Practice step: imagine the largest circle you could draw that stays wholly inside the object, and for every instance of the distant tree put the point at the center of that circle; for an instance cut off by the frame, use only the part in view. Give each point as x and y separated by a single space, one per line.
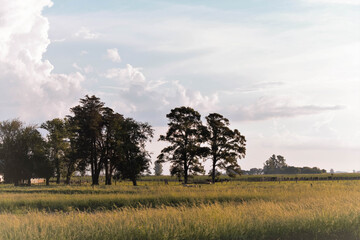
255 171
158 168
217 174
226 146
56 143
185 135
275 164
134 159
332 171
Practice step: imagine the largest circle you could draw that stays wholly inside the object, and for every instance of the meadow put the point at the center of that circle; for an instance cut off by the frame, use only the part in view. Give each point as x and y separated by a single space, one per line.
153 210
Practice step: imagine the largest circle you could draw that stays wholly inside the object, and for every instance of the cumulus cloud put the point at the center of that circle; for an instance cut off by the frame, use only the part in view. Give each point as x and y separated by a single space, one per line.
126 75
133 94
85 33
113 55
28 88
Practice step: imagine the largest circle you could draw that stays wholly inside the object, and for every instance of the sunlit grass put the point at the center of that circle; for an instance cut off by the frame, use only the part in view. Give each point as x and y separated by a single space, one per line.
286 210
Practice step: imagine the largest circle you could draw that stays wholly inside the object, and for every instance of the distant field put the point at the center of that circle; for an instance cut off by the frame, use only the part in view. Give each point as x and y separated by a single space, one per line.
267 177
153 210
246 178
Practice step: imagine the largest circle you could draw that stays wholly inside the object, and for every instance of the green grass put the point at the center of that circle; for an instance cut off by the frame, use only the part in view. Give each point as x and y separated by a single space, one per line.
234 210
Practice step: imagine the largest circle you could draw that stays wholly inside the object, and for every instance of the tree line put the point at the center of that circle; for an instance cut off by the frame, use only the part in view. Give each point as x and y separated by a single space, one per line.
95 139
276 164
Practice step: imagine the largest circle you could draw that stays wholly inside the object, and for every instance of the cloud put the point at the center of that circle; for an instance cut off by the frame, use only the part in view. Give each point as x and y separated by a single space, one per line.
85 33
131 93
113 55
28 88
274 107
126 75
87 69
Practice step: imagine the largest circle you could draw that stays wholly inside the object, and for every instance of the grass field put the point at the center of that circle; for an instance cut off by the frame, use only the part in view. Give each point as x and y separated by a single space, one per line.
233 210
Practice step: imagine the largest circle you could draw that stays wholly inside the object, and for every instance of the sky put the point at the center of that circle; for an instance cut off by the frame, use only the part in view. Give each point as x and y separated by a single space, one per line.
285 73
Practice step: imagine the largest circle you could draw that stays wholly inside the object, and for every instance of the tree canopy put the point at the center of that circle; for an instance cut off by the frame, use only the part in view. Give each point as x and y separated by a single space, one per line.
185 135
225 146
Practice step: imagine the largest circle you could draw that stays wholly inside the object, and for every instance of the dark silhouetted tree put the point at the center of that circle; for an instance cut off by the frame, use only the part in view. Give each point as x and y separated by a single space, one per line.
88 120
134 159
226 146
56 143
23 153
185 135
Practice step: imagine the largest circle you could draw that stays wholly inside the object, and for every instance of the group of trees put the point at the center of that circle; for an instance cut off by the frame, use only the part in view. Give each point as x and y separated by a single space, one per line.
190 142
276 164
23 152
94 138
98 140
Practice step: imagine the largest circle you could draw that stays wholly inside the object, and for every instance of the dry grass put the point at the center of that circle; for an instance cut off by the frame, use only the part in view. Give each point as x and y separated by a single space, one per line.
327 210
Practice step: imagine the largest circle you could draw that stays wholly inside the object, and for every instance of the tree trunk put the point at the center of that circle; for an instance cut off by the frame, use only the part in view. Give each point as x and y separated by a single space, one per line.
58 176
213 171
29 182
57 172
134 181
106 172
67 181
185 173
95 179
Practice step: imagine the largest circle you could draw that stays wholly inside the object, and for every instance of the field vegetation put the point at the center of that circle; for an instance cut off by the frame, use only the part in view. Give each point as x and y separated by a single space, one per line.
153 210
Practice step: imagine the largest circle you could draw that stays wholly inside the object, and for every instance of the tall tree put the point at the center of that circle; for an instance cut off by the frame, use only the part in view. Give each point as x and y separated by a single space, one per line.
88 119
134 159
185 135
226 146
111 142
57 144
72 160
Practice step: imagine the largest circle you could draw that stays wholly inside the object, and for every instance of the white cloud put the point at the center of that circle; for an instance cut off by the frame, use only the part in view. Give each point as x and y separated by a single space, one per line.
85 33
132 93
113 55
126 75
87 69
28 89
267 108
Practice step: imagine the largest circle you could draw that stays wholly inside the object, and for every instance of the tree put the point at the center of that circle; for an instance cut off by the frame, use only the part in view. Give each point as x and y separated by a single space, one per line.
134 159
72 160
255 171
88 131
158 168
57 144
185 135
23 153
113 127
275 164
226 146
